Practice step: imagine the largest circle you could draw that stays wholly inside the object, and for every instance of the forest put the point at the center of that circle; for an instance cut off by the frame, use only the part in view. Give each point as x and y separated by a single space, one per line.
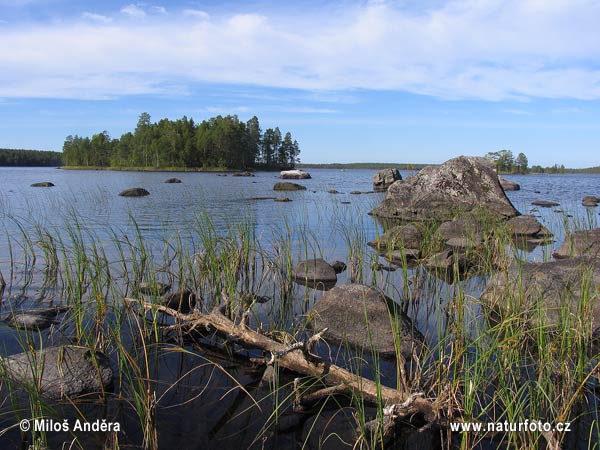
29 158
219 142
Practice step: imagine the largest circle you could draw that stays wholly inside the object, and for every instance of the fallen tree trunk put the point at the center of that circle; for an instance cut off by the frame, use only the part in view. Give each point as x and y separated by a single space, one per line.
298 358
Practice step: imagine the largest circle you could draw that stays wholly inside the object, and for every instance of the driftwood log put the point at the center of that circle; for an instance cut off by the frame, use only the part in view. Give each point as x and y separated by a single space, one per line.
298 358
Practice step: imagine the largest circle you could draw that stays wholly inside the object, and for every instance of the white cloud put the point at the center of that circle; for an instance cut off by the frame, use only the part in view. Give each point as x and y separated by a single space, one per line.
158 10
96 17
469 49
133 11
196 13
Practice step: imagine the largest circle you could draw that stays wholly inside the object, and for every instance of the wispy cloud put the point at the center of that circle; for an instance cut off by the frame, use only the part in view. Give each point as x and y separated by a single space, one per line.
96 17
518 112
467 49
133 11
158 9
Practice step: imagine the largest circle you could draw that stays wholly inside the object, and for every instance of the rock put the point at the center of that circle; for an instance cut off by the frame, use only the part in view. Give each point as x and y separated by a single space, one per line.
379 267
173 180
550 291
242 174
527 226
33 319
509 185
360 316
544 203
183 301
315 273
459 185
401 236
338 266
580 243
263 198
286 186
356 192
60 372
345 202
398 257
590 201
43 184
294 175
332 191
383 179
445 260
463 232
153 288
134 192
282 199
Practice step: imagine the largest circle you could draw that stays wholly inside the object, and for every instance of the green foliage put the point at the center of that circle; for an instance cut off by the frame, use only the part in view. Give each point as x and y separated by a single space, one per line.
30 158
506 163
217 142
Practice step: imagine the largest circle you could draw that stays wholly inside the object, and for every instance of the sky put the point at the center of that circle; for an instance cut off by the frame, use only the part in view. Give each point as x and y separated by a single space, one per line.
415 81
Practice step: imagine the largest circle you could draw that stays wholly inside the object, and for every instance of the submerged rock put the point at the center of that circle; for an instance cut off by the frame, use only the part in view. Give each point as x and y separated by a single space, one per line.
315 273
33 319
59 372
333 191
134 192
173 180
294 175
286 186
365 318
590 201
242 174
580 243
544 203
282 199
43 184
383 179
459 185
509 185
183 301
550 291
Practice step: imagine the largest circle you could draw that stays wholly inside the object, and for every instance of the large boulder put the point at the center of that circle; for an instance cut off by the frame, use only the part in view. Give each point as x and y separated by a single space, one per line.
59 372
508 185
459 185
315 273
294 175
365 318
580 243
134 192
546 293
286 186
383 179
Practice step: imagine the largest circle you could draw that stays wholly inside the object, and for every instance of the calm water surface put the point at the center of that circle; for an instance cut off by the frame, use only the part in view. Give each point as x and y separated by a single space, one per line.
216 420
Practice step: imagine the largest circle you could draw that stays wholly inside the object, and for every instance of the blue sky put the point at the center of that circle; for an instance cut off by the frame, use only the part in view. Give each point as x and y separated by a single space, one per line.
389 81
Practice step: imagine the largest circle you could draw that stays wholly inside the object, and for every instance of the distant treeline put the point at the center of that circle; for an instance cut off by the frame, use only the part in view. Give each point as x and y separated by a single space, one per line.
219 142
29 158
374 166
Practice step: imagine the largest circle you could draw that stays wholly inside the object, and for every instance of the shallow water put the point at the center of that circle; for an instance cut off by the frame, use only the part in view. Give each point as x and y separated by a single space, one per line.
199 414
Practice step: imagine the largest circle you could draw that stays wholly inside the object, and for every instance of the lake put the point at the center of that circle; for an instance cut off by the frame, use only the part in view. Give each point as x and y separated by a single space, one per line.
199 396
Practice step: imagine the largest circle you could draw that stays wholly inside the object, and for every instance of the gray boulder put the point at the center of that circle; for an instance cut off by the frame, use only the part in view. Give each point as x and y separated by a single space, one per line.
544 203
398 237
459 185
315 273
590 201
383 179
294 175
463 232
59 372
509 185
134 192
550 291
580 243
527 226
365 318
286 186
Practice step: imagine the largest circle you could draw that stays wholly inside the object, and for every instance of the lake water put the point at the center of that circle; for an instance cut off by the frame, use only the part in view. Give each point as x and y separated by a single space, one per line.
320 224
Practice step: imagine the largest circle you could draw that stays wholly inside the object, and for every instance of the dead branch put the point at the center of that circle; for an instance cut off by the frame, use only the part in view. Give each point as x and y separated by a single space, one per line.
297 358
